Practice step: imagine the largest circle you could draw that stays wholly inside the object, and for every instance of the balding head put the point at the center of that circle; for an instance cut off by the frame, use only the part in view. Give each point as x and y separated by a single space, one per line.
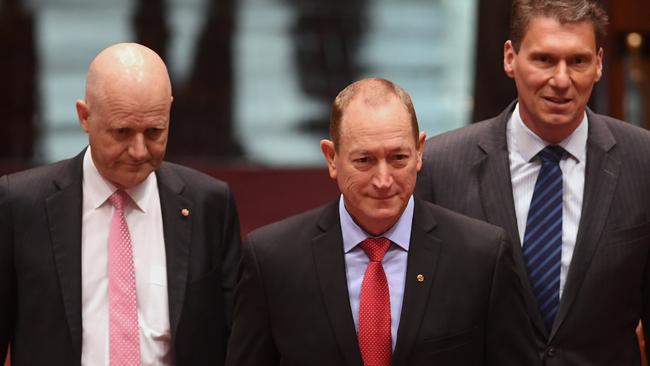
126 67
375 152
126 112
373 92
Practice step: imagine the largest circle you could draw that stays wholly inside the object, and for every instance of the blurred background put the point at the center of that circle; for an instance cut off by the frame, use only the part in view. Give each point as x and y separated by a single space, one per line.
253 79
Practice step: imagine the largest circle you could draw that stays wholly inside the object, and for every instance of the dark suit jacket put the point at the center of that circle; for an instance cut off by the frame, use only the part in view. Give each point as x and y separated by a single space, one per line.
40 263
607 289
292 305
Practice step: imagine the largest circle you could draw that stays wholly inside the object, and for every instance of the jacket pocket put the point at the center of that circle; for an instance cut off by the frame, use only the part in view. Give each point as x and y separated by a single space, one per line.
630 235
448 342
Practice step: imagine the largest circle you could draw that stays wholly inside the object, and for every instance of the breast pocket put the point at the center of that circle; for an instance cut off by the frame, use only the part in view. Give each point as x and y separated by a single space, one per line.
630 235
449 342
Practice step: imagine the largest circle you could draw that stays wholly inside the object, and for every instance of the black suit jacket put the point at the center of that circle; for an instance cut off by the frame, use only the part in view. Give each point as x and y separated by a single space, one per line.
40 263
607 289
292 305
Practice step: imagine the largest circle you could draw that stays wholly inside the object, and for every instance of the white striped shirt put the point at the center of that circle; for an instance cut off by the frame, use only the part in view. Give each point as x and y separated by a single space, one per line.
523 146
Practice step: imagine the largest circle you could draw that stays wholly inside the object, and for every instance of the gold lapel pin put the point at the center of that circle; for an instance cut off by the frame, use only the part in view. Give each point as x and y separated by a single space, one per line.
185 212
420 278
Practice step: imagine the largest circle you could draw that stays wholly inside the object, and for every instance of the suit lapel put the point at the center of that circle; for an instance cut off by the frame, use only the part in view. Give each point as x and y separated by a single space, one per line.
493 169
601 174
177 233
424 251
64 218
330 267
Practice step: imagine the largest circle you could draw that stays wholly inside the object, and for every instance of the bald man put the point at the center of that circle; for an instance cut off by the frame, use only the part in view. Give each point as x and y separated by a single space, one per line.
115 257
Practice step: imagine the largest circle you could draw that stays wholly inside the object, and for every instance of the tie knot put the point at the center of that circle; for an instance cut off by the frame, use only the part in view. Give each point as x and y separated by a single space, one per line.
118 199
375 248
551 154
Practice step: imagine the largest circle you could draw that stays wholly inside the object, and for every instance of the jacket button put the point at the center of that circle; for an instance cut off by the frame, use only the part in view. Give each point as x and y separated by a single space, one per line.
551 351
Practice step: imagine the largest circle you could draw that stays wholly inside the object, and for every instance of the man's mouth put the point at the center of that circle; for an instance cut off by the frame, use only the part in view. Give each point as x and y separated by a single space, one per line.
558 100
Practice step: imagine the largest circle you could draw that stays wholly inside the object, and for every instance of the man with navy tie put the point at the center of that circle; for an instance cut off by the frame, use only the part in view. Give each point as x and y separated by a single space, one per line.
571 187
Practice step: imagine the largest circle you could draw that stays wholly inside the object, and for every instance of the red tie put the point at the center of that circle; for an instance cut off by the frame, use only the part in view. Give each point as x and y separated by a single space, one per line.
374 307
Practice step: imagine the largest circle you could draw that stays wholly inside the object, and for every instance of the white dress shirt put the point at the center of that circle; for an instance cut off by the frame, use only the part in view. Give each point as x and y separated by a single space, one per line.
144 219
523 146
394 262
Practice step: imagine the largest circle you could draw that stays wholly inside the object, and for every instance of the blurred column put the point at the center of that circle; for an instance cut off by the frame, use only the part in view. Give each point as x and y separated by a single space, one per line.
627 61
493 89
202 109
326 36
150 27
18 81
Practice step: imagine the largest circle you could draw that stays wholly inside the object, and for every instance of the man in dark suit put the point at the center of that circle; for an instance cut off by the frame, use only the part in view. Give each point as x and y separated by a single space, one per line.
163 297
598 259
378 277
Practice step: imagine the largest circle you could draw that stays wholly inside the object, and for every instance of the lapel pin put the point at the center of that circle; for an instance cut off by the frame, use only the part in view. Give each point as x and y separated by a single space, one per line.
420 278
185 212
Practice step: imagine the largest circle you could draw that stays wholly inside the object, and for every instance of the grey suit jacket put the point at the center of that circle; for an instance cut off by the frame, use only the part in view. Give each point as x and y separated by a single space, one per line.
607 288
40 263
292 305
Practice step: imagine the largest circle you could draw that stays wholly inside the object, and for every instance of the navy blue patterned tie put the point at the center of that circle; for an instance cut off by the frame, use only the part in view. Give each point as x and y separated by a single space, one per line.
543 237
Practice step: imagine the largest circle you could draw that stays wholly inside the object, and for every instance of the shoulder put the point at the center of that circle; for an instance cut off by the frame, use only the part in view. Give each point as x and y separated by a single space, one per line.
296 230
42 180
296 225
195 181
459 139
621 130
459 222
464 231
190 176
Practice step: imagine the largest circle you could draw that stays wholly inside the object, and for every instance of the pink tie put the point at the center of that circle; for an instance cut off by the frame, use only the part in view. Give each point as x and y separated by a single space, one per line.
124 338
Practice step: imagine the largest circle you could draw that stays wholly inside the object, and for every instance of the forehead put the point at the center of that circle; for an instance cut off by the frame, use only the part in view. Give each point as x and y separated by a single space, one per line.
547 31
134 107
383 124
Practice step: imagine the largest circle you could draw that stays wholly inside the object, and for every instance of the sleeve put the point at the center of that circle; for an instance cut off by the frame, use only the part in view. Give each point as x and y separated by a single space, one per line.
423 186
251 342
231 254
509 332
7 273
643 331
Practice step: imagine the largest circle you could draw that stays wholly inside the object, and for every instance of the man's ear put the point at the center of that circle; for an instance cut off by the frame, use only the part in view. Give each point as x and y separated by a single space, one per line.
599 64
420 148
509 59
329 152
82 114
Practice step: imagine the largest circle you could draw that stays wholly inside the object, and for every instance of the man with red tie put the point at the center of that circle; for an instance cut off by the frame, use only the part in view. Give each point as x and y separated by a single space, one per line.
378 277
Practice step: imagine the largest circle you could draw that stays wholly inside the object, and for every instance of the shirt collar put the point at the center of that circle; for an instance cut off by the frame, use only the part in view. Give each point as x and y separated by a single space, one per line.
353 234
97 189
528 144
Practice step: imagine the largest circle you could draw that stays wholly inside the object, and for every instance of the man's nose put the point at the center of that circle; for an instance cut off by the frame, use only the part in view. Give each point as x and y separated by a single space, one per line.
138 148
561 76
383 177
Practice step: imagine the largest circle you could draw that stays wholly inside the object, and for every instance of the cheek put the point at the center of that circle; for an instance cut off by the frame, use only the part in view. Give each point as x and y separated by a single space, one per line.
112 155
352 183
157 152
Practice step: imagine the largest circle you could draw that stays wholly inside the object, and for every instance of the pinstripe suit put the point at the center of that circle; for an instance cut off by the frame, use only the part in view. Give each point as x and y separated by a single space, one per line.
607 289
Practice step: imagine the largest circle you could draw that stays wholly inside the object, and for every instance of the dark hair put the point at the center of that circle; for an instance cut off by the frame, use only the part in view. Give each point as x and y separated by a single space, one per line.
375 92
565 11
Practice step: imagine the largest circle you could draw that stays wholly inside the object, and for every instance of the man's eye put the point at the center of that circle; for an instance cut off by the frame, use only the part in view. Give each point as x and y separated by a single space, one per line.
153 131
579 61
362 160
